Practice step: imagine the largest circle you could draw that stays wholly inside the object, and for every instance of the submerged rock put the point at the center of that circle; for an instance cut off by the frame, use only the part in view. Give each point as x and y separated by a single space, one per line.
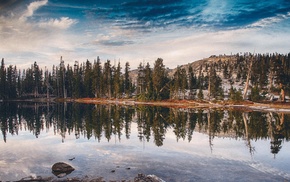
61 169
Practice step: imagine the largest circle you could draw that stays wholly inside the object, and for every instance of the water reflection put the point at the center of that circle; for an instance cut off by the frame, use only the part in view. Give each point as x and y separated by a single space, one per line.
112 121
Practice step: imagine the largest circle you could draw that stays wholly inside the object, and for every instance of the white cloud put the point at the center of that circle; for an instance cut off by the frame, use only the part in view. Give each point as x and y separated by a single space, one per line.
43 40
269 21
32 7
62 23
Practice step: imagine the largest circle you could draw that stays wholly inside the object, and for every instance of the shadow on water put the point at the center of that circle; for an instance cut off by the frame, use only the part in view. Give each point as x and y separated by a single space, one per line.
104 122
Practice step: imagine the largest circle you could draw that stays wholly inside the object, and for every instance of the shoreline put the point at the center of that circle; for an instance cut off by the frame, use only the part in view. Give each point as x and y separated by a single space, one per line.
190 104
198 104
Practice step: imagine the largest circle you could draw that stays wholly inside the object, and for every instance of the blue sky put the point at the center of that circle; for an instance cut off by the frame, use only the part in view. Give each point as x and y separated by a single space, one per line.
179 31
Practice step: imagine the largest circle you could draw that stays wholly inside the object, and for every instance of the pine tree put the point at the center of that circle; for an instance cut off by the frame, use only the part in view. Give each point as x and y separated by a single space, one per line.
235 95
77 81
160 80
141 82
117 81
177 82
107 79
37 77
127 81
215 85
11 83
148 82
69 81
98 79
2 80
28 82
192 82
183 80
60 74
88 82
200 93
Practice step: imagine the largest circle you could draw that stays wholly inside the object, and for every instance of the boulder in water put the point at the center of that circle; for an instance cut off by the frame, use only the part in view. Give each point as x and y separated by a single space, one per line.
61 169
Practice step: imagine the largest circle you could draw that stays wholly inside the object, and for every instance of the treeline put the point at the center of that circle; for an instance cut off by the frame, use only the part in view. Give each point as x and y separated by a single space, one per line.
77 81
249 77
267 73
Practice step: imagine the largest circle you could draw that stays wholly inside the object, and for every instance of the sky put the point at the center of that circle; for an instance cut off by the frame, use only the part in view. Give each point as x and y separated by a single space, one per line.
135 31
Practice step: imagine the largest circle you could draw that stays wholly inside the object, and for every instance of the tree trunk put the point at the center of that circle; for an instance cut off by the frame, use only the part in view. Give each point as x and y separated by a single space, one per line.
209 84
282 94
248 79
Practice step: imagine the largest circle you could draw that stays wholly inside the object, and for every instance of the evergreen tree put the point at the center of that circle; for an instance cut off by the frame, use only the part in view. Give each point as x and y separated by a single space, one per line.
192 82
37 79
77 81
200 93
148 82
141 81
107 79
28 82
69 81
215 85
117 81
60 74
177 82
255 94
98 79
183 80
11 82
235 95
127 81
88 79
2 80
160 80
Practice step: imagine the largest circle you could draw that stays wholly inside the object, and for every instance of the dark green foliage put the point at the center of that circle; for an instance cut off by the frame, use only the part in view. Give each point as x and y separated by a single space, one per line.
2 80
117 81
11 82
235 95
200 94
255 94
215 85
88 80
127 81
160 80
97 79
107 79
192 83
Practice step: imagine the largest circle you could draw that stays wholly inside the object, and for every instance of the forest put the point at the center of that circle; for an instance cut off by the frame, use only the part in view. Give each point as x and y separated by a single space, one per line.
236 77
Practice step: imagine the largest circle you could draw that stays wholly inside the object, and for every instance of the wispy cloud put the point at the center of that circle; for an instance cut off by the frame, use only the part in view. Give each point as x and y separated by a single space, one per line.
62 23
32 7
179 31
149 15
113 42
270 20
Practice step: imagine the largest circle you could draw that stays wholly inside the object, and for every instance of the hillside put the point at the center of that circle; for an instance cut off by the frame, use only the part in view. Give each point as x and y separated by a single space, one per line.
269 73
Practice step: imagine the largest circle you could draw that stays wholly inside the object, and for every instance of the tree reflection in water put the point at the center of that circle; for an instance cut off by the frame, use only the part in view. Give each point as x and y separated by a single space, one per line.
107 121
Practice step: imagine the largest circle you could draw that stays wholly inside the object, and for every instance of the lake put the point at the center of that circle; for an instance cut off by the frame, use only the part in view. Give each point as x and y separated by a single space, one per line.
119 142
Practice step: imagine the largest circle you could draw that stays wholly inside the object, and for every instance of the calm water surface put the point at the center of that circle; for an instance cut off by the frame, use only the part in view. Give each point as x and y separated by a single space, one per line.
173 144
